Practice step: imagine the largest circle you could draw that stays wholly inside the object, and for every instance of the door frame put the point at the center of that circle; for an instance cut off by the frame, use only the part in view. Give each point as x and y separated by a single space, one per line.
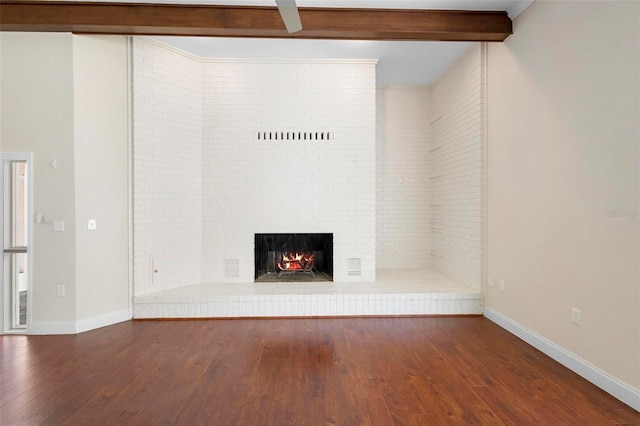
5 328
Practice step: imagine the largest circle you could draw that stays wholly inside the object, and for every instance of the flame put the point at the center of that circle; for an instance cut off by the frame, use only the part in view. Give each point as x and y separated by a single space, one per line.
296 261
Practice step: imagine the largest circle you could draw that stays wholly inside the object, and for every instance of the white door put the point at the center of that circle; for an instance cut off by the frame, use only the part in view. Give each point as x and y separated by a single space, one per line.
15 181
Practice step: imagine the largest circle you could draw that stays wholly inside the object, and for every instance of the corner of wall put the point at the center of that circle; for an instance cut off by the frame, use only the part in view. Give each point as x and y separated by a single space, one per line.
458 170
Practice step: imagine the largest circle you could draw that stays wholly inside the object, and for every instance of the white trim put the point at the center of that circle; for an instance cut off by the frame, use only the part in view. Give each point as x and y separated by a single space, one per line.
80 326
288 61
30 226
130 124
4 288
484 60
52 328
181 52
103 320
165 46
410 87
610 384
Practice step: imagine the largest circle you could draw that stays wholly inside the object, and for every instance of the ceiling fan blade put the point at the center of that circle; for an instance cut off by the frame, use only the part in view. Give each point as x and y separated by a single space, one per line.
289 12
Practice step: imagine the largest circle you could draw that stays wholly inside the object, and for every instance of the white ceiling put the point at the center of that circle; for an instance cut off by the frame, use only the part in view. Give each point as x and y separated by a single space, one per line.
400 62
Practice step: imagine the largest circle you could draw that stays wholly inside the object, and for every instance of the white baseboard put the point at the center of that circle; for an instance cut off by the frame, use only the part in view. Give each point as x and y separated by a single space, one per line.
591 373
82 325
52 328
104 320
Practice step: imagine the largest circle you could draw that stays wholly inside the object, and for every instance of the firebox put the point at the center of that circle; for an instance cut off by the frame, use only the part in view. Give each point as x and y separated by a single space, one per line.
293 257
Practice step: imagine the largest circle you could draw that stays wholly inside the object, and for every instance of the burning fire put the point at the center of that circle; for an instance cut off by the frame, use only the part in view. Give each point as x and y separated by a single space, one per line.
296 262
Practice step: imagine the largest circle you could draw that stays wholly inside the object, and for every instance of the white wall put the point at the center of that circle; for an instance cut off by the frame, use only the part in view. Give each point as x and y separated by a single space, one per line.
64 98
403 133
101 170
203 180
427 166
1 88
288 186
563 184
167 153
37 116
457 170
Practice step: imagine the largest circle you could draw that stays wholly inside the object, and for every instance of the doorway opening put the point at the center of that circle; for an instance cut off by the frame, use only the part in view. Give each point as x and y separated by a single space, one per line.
16 237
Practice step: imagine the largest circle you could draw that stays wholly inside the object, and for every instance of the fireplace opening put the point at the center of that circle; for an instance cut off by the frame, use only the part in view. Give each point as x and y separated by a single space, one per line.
293 257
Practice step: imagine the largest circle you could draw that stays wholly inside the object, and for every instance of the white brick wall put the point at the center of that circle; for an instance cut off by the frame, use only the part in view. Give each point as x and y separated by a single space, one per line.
167 167
457 170
274 186
204 184
309 305
403 237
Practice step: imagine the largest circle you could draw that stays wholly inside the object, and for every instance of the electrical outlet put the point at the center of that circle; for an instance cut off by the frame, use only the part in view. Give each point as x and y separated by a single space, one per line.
92 225
502 286
490 281
576 316
60 290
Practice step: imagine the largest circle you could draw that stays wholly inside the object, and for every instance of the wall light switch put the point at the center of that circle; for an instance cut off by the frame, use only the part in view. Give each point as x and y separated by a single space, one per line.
92 225
490 281
58 226
60 290
502 286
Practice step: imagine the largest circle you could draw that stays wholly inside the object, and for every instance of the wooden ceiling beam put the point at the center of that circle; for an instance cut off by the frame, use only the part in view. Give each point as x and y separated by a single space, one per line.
250 21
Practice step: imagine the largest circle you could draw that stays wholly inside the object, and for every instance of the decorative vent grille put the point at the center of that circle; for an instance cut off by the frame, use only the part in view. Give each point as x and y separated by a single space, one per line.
294 136
354 267
231 268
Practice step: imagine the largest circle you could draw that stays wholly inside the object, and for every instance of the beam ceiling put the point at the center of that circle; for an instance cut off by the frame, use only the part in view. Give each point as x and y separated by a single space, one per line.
252 21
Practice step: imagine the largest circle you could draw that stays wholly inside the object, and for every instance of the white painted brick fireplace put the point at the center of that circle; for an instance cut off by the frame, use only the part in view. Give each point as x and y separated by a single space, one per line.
253 185
213 166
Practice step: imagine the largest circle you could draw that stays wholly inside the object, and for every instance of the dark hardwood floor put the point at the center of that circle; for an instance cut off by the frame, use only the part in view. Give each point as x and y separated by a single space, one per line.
345 371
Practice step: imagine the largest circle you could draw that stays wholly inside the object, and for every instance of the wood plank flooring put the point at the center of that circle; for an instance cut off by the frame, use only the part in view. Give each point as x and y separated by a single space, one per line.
342 371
